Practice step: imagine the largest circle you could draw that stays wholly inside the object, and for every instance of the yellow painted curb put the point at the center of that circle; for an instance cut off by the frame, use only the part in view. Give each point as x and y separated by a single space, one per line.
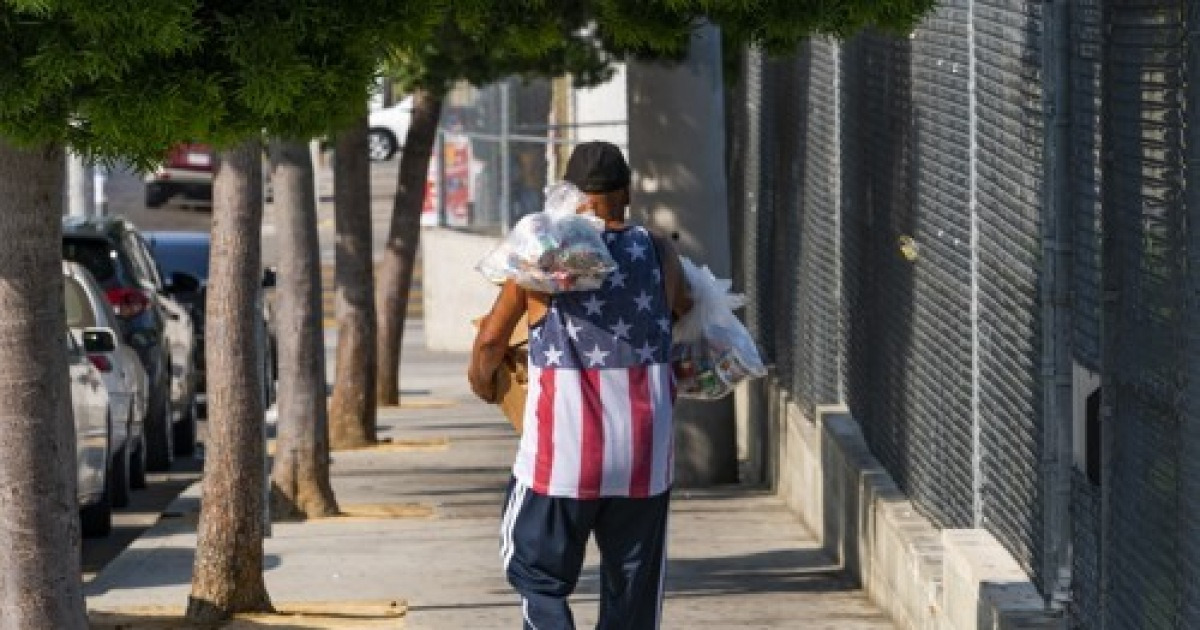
307 615
390 445
384 511
370 512
426 403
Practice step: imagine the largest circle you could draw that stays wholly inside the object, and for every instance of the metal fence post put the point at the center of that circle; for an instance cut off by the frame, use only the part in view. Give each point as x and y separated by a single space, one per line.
439 145
1190 431
973 208
505 156
1056 306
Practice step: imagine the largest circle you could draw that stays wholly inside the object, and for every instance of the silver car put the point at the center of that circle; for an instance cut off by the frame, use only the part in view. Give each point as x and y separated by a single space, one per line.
94 326
89 406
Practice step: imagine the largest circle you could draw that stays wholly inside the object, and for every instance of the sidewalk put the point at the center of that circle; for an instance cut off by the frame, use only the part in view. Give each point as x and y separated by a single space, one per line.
738 559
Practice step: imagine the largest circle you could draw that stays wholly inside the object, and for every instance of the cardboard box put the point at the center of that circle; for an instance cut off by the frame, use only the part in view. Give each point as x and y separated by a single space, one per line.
512 378
512 386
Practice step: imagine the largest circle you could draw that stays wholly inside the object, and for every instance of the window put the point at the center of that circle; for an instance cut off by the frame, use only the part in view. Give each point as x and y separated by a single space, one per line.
95 255
79 307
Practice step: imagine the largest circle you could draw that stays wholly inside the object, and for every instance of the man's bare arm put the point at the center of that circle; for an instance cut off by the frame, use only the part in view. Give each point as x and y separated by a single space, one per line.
679 295
491 342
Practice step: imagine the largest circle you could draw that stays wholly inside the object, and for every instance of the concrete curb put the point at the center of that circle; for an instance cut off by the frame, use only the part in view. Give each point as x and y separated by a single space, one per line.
923 577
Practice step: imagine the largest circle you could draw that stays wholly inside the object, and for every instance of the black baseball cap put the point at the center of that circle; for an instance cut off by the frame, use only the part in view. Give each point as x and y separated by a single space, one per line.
598 167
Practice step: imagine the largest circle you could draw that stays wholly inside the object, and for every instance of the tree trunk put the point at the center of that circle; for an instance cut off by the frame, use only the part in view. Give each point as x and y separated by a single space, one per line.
39 522
300 472
404 236
227 577
352 407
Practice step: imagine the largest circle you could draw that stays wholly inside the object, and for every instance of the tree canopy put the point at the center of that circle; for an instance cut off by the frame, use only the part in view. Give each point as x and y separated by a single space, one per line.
481 42
129 78
484 42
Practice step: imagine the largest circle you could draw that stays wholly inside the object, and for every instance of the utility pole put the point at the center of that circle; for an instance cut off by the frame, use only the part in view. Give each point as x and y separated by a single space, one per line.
677 153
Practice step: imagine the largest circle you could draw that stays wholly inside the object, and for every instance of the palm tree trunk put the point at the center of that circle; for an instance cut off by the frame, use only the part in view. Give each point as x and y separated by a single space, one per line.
404 237
300 473
352 407
227 577
39 524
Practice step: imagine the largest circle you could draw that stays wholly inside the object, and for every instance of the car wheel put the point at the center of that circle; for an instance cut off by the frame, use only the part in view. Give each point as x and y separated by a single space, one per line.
118 477
159 450
381 145
156 196
137 466
95 521
185 433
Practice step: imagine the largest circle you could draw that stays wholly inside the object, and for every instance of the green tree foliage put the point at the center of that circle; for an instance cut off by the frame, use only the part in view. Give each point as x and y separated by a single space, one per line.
127 79
483 42
662 26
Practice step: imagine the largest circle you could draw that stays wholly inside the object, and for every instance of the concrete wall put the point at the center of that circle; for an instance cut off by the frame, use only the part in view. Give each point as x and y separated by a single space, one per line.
454 292
596 107
923 577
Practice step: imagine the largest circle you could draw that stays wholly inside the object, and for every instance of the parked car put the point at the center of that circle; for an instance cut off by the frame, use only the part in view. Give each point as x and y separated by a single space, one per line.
388 128
183 258
89 407
155 326
186 171
94 326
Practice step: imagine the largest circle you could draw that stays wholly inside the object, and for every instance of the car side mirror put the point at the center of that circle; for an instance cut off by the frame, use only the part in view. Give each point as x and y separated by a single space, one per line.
99 340
181 282
269 277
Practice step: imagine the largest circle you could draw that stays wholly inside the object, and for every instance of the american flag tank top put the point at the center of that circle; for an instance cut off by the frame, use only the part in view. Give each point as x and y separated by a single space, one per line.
598 417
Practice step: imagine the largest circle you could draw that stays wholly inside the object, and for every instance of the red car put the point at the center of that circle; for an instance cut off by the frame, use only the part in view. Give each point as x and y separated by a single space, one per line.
187 172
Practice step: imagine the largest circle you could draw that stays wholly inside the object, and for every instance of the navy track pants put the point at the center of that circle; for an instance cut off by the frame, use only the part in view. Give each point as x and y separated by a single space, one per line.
542 544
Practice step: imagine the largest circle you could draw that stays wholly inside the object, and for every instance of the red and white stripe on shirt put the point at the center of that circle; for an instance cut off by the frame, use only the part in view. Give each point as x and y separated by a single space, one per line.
591 433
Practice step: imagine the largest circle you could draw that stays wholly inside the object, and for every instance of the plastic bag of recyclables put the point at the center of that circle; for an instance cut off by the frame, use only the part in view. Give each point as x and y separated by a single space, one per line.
553 251
711 349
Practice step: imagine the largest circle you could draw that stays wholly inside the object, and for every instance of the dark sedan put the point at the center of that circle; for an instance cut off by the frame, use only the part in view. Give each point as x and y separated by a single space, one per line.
183 258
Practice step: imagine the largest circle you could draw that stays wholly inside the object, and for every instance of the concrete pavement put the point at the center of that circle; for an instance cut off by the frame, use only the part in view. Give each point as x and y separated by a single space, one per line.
738 559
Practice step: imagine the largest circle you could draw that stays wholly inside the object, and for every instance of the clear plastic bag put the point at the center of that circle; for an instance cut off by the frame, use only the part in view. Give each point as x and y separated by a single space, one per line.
553 251
711 350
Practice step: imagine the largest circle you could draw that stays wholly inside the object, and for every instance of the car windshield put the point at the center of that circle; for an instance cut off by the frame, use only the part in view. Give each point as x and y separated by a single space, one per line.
96 255
190 257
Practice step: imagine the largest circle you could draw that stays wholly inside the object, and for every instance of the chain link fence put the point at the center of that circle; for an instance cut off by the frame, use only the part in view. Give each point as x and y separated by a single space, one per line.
499 147
980 237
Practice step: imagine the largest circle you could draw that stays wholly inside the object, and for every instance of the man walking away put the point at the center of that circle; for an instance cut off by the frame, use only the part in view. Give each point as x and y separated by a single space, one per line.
596 453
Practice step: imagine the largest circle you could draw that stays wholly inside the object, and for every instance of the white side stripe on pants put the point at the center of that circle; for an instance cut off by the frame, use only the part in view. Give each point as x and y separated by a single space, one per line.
509 523
505 521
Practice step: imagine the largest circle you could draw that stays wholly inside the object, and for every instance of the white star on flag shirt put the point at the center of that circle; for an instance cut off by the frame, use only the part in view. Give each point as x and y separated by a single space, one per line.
618 278
593 305
646 352
596 357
